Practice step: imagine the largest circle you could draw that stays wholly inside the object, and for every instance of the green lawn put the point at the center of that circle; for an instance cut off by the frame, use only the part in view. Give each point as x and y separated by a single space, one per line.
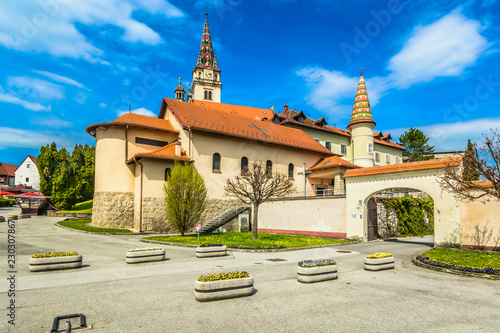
245 239
465 258
82 207
80 225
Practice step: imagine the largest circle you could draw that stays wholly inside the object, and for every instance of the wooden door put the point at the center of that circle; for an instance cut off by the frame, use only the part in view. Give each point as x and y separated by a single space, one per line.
372 220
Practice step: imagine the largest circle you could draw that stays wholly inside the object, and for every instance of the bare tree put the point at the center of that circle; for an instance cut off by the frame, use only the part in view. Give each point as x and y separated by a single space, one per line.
483 159
256 185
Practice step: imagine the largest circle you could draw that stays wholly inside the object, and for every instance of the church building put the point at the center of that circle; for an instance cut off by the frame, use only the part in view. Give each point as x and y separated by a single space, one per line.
135 153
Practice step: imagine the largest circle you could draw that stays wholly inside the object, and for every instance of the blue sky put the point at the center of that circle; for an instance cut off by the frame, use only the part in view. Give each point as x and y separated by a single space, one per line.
428 64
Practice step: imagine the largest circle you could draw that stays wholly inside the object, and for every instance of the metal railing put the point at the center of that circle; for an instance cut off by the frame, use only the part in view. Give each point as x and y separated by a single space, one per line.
330 192
222 212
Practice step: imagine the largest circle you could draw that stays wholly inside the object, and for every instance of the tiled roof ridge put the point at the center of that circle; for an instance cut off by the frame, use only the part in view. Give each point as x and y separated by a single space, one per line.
437 163
336 161
130 119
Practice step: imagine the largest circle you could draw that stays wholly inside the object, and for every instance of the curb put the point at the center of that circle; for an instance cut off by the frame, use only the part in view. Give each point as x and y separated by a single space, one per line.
97 233
251 250
453 271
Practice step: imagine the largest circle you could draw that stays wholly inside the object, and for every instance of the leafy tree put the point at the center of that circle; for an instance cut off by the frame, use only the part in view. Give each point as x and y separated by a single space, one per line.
485 160
470 172
256 185
185 197
47 163
415 142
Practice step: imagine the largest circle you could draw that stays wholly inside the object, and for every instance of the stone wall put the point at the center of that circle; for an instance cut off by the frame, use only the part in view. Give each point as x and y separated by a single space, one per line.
387 224
154 216
113 210
54 213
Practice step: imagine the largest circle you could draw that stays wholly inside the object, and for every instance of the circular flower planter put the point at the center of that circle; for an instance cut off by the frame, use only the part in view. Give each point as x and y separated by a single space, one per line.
379 264
223 289
134 257
24 216
211 251
316 274
12 217
55 263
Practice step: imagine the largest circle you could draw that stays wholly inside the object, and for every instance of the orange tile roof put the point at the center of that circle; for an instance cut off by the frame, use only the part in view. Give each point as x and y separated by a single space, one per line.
33 158
405 167
243 111
164 153
132 119
308 122
483 183
390 144
333 161
209 120
8 169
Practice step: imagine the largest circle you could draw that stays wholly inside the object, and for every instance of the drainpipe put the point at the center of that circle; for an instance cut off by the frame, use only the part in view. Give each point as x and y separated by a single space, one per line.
189 136
140 195
305 179
126 143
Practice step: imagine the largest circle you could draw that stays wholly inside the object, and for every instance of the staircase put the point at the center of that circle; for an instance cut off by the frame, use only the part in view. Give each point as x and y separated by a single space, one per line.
225 215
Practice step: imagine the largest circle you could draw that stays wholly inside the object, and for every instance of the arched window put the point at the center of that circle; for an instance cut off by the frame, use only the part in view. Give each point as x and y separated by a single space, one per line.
167 173
290 170
269 168
244 164
216 163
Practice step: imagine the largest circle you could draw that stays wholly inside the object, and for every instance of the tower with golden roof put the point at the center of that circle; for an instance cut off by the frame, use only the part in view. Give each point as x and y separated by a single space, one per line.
206 75
361 127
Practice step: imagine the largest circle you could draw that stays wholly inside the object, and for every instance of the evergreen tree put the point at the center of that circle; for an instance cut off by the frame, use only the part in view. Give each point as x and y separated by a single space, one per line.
185 197
470 172
47 163
415 142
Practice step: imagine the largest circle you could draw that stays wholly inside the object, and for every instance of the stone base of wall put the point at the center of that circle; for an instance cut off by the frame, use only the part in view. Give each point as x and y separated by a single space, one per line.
113 210
154 216
54 213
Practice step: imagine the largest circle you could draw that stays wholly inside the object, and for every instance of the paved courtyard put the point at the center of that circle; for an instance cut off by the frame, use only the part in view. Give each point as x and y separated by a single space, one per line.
158 297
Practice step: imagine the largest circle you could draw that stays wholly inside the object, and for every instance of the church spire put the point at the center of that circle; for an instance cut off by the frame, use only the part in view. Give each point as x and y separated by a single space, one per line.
206 57
361 112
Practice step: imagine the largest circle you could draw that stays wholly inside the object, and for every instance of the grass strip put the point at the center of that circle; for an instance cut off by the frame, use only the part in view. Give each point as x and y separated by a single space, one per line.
81 225
245 239
82 207
465 258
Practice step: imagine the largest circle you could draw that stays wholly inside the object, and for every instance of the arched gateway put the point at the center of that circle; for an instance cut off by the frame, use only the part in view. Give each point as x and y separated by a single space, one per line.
363 183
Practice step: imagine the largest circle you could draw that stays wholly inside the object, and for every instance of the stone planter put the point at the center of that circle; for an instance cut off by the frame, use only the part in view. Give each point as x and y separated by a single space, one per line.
55 263
316 274
222 289
145 256
12 217
211 251
2 219
24 216
379 264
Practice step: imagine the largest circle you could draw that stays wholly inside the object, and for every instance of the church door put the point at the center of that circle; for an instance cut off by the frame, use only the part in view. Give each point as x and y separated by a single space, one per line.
372 220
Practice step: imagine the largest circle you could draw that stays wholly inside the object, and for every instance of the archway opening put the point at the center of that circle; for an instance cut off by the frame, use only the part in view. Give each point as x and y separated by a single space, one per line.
399 212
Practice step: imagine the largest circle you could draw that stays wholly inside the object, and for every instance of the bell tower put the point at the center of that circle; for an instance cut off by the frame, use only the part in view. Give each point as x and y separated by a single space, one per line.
206 75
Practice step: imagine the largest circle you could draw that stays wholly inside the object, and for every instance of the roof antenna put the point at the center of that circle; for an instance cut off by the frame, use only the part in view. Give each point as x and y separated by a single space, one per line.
129 108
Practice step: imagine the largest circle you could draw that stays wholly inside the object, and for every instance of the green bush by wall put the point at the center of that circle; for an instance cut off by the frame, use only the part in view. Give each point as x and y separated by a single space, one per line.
7 202
412 213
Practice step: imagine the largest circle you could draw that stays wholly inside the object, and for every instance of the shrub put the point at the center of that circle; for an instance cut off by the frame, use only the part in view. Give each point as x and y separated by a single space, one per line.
54 254
146 249
379 255
317 263
411 213
223 276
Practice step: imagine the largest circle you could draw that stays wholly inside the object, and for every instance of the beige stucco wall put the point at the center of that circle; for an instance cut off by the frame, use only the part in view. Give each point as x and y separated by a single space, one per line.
134 148
335 139
384 151
361 136
446 207
481 224
324 215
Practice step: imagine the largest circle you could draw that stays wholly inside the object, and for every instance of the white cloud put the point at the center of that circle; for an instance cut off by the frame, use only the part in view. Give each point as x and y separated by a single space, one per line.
453 136
329 89
50 26
20 138
25 104
443 48
103 105
51 122
142 111
35 88
62 79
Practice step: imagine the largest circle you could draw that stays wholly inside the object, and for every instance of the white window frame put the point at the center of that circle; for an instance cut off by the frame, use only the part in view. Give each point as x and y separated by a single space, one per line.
369 148
328 143
377 157
343 149
388 159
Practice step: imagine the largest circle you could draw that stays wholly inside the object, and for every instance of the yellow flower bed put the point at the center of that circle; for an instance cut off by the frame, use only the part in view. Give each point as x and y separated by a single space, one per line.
54 254
379 255
223 276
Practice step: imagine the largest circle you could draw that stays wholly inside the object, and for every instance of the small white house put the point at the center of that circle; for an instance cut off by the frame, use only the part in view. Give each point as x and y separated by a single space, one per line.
27 173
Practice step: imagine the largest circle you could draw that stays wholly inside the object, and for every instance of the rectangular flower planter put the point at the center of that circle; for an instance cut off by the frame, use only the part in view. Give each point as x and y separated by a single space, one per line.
55 263
2 219
223 289
24 216
379 264
145 256
211 251
12 217
316 274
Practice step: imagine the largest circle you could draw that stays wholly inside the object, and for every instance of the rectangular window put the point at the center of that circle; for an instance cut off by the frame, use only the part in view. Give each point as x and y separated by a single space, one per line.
328 145
11 181
388 159
317 140
343 149
27 180
150 142
370 148
398 160
27 166
377 157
